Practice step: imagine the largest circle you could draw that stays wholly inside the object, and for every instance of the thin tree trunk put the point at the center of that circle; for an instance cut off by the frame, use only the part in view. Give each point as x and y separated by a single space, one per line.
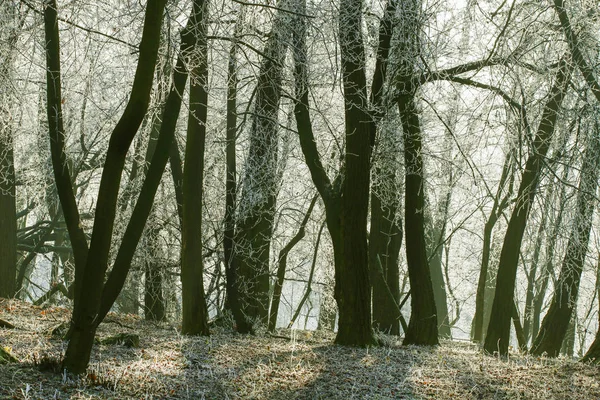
497 209
8 209
282 267
308 290
91 274
61 169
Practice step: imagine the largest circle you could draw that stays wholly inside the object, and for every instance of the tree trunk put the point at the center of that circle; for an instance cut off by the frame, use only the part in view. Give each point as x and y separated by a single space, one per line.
385 236
231 271
498 334
422 326
500 203
533 274
154 301
385 241
256 209
8 209
61 169
282 267
435 250
548 267
194 308
352 286
91 277
555 324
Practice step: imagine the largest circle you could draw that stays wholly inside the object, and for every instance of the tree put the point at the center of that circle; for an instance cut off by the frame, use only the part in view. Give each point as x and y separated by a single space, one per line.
233 300
10 24
195 312
385 235
423 326
498 332
95 306
500 203
556 322
256 210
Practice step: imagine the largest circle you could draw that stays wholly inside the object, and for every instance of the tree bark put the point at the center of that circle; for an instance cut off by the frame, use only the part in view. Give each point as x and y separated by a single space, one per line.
256 209
556 322
61 169
91 276
422 326
282 267
385 235
498 333
231 269
194 308
352 286
500 203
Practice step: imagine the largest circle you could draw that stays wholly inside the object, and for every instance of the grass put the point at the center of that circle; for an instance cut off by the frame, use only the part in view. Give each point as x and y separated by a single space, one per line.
307 365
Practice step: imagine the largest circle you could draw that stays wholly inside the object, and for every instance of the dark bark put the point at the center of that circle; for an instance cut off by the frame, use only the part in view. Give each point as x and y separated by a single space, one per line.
500 204
8 209
385 236
555 324
435 238
231 271
308 290
385 241
498 333
257 203
352 286
422 327
160 157
282 265
547 272
154 301
61 169
194 308
91 276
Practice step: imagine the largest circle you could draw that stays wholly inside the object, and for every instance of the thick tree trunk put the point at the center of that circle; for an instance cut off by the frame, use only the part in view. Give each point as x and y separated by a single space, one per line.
385 241
385 236
498 333
8 209
256 209
194 308
556 322
423 326
233 300
352 287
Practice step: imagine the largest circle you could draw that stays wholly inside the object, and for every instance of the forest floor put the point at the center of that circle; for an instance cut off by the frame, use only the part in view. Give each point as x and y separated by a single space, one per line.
293 365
